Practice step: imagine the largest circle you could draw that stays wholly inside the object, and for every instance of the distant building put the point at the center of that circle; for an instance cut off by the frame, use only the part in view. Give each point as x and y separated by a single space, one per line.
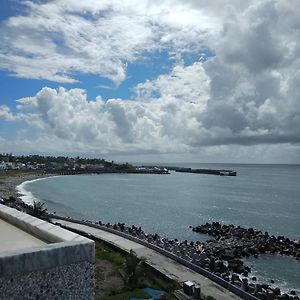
2 165
20 166
10 166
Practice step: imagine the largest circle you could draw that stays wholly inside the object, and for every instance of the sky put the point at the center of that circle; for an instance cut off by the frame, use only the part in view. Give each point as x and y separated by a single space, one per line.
151 81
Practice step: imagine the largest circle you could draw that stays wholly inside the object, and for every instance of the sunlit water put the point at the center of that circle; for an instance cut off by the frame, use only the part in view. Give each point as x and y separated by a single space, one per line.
265 197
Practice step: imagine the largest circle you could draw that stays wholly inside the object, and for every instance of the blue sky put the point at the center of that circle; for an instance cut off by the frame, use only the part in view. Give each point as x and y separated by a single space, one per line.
149 68
167 81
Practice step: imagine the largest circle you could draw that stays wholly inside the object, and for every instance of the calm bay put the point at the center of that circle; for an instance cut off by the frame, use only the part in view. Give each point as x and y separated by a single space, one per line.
265 197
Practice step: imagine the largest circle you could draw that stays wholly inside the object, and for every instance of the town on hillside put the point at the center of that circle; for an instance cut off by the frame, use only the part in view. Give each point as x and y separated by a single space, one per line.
70 165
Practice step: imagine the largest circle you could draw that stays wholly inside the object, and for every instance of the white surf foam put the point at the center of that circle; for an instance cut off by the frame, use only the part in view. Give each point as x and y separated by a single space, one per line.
25 195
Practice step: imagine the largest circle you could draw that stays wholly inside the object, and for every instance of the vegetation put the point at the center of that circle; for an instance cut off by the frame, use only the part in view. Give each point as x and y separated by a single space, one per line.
105 253
37 210
138 293
133 270
11 199
133 273
46 162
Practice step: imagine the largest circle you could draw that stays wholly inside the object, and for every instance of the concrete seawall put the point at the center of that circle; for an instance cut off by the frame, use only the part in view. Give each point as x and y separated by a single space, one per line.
210 276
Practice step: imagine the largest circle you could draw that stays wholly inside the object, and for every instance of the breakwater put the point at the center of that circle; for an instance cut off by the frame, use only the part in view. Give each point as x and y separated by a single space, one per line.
237 242
205 171
223 255
193 255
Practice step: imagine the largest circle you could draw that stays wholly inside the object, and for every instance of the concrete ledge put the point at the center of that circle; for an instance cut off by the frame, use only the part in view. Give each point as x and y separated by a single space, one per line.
47 232
41 258
62 246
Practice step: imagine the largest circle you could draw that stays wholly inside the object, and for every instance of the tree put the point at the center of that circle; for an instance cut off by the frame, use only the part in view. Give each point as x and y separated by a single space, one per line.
132 269
12 199
38 210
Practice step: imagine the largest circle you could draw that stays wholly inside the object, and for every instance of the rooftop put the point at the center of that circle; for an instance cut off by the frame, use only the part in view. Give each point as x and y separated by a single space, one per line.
14 238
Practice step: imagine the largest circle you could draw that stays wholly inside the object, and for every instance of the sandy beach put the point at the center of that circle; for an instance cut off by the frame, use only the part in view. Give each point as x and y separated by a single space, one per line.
9 180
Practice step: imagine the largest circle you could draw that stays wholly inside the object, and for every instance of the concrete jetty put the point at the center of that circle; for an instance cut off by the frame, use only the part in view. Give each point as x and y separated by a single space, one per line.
220 172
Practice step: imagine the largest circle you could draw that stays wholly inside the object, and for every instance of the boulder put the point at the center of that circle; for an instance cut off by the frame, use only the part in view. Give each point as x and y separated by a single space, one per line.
245 285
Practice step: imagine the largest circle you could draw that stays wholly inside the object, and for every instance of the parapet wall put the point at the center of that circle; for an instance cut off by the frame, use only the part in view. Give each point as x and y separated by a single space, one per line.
74 281
63 268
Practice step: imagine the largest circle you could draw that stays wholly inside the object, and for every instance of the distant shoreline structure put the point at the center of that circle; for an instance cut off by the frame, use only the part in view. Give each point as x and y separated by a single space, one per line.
28 198
205 171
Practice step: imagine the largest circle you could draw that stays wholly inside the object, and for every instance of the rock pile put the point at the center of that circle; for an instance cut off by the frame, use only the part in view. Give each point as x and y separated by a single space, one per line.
237 242
223 255
231 244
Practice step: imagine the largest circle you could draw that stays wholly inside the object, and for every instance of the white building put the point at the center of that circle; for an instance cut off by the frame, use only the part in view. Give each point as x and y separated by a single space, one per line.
2 165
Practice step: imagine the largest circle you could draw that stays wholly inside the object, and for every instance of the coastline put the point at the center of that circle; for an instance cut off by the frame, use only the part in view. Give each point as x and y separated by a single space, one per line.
184 253
11 183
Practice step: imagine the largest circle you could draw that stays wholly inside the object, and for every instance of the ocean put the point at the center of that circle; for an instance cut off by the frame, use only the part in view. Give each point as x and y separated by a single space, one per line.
265 197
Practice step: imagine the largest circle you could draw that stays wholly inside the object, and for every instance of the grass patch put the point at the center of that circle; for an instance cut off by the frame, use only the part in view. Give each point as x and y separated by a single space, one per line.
170 297
138 293
105 253
157 282
142 276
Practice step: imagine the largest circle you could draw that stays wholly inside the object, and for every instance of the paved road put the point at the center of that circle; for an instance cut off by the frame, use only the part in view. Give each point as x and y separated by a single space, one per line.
163 264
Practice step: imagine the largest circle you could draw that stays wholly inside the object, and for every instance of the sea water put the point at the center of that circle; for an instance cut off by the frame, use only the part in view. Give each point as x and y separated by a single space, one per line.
265 197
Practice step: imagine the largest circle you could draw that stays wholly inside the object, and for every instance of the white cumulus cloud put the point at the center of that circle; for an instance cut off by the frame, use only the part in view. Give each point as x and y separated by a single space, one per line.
58 39
242 102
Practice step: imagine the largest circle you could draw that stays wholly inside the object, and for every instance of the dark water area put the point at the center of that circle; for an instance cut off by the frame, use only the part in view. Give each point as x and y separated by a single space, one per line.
283 270
265 197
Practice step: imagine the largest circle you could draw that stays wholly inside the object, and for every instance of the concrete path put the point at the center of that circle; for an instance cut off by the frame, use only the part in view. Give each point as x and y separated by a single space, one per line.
158 261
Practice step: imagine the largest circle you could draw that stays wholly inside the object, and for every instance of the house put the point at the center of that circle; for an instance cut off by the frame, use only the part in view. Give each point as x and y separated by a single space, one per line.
2 165
10 166
20 166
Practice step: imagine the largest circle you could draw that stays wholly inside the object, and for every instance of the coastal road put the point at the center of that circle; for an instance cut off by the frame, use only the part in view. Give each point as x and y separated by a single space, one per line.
163 264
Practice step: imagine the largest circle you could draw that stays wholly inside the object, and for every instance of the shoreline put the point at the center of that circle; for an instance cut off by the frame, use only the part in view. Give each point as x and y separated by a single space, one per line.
26 196
10 183
185 253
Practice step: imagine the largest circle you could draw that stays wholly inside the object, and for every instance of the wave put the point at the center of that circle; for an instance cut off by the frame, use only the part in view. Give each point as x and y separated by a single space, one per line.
25 195
284 284
266 269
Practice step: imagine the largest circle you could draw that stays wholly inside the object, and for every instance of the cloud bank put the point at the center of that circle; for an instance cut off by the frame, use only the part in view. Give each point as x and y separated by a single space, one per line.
246 95
57 39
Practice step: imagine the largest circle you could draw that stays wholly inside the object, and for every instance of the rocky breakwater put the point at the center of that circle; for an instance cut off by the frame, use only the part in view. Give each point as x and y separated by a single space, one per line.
223 255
